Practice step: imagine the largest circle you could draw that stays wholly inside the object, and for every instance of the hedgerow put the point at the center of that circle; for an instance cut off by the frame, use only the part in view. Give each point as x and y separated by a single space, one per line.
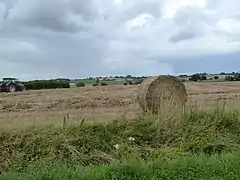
45 84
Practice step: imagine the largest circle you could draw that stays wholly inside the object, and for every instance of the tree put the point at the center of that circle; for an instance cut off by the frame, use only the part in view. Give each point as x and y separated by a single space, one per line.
237 77
198 77
97 81
130 82
203 77
216 77
183 75
229 78
62 79
195 77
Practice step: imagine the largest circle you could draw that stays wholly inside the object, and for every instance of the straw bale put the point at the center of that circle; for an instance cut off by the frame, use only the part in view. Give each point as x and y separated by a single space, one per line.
162 93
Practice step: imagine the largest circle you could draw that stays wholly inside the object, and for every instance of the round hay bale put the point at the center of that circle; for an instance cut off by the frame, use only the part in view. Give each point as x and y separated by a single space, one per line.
162 93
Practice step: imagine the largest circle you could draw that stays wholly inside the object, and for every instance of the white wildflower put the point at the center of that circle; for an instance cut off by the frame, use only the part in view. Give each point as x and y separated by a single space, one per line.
117 146
131 139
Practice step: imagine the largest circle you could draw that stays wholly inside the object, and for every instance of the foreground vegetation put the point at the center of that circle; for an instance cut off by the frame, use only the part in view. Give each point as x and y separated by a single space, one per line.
224 166
199 145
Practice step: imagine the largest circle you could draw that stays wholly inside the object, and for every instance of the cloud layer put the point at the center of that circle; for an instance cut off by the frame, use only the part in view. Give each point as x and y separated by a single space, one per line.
72 38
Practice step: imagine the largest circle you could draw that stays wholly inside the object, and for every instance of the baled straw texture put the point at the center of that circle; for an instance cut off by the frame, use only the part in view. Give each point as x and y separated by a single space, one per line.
162 93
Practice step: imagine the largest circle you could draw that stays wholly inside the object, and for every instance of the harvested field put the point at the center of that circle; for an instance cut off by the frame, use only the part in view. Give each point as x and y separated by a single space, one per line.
33 108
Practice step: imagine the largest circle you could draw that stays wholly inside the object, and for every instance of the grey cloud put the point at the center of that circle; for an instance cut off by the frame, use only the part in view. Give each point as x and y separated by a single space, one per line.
181 36
3 12
193 16
150 7
192 21
237 16
7 4
58 54
216 63
57 15
117 16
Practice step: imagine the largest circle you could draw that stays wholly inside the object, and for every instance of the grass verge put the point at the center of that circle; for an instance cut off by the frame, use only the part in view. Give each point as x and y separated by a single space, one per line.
105 148
225 166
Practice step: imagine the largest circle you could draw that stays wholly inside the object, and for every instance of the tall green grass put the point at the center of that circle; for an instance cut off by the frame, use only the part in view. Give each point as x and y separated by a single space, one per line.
98 147
225 166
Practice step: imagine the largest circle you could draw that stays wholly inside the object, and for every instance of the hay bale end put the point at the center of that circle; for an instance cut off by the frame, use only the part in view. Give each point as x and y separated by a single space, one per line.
162 93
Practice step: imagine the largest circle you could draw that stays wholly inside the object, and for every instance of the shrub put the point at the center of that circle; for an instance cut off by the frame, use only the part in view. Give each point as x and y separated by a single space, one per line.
80 84
203 77
237 77
97 81
103 84
130 82
125 84
195 77
45 84
198 77
95 84
229 78
139 81
216 77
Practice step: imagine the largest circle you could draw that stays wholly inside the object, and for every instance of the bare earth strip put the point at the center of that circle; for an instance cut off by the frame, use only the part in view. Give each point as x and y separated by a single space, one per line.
34 108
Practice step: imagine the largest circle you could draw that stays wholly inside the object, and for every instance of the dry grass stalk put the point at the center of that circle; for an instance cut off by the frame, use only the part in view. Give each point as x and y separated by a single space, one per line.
162 94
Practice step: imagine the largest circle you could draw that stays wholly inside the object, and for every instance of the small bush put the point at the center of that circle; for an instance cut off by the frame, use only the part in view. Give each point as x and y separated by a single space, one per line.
237 77
130 82
45 84
216 77
198 77
139 81
229 78
103 84
95 84
97 81
125 84
80 84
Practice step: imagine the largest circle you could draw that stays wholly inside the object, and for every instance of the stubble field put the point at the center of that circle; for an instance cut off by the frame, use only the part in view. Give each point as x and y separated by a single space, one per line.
48 107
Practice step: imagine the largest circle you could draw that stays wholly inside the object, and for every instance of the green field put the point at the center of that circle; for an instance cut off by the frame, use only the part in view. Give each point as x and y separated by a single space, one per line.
202 144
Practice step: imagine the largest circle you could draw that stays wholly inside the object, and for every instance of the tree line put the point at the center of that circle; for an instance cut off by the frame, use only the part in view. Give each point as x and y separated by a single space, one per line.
202 77
45 84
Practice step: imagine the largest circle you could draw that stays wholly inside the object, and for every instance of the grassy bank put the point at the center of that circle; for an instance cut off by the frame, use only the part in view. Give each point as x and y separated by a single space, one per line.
225 166
106 150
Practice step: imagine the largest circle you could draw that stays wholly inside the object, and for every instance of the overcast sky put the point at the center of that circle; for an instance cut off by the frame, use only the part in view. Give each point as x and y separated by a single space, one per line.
80 38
